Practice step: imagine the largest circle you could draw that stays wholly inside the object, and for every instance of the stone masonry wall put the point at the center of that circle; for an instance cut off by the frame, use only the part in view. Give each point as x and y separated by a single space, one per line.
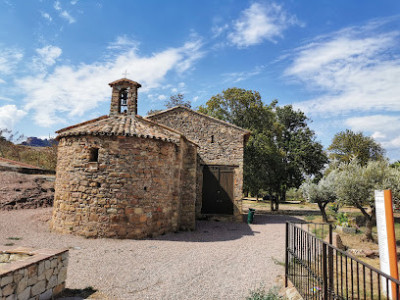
131 192
187 188
41 274
219 144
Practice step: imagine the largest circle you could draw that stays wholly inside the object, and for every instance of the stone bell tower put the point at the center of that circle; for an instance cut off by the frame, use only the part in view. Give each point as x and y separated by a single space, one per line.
124 97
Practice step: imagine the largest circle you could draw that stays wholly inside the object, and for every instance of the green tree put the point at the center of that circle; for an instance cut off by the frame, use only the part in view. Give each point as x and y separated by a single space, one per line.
396 164
281 150
174 100
355 185
177 100
347 145
321 193
241 107
302 154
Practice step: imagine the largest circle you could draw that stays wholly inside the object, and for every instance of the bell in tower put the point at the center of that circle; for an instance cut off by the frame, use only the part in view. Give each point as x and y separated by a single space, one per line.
124 97
123 101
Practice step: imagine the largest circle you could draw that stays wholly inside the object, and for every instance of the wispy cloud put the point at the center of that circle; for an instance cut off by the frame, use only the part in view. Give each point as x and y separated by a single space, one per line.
355 69
47 56
57 96
46 16
57 5
64 13
123 43
240 76
260 22
9 59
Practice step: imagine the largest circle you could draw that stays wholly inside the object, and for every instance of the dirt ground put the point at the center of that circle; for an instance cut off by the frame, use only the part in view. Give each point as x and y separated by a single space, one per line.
217 261
20 191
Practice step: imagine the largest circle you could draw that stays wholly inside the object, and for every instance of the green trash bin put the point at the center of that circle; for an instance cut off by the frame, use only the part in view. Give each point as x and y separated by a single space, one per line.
250 216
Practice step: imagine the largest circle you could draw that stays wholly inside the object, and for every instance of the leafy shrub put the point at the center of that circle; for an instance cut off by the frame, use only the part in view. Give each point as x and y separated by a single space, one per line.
261 294
342 219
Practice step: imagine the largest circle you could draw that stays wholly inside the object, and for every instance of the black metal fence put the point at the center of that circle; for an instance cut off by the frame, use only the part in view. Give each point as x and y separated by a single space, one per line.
319 270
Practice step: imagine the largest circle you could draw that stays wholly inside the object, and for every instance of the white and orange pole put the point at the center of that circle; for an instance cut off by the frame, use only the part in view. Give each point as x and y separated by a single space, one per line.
386 237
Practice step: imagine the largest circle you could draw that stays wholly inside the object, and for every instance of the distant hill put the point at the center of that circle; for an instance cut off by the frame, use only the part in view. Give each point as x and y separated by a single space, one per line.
38 142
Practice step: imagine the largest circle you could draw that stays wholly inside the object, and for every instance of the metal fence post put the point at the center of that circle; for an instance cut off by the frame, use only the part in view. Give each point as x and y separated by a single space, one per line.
286 254
324 271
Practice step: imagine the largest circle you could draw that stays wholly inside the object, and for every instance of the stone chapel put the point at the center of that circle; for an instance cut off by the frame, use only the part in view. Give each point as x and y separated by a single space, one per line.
125 176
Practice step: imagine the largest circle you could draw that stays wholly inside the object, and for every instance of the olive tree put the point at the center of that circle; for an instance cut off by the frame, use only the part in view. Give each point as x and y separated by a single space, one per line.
321 193
355 185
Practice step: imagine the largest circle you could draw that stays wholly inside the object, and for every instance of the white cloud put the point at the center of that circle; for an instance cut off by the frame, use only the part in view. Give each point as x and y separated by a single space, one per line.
46 16
123 43
161 97
6 99
47 55
63 13
70 91
9 59
258 23
73 2
57 5
355 69
383 128
9 116
219 30
67 17
235 77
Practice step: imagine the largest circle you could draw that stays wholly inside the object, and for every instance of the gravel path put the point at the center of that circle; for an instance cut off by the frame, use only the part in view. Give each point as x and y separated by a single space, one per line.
217 261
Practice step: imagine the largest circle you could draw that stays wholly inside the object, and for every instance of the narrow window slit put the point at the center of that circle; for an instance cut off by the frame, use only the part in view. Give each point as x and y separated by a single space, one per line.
94 155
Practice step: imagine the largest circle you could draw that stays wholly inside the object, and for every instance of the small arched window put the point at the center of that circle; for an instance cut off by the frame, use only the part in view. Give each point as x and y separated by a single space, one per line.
123 101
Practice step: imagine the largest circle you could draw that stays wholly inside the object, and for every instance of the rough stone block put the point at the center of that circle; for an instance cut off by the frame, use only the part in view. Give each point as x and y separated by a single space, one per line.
52 282
48 273
25 294
9 289
38 288
32 270
47 265
46 295
12 297
59 288
6 280
22 284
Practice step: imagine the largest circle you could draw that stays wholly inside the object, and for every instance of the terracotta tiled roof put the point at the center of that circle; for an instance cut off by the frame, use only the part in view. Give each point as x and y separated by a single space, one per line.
122 125
124 80
170 110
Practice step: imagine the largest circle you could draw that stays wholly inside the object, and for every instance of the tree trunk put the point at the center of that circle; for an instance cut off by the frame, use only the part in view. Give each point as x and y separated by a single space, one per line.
370 222
321 207
277 203
368 231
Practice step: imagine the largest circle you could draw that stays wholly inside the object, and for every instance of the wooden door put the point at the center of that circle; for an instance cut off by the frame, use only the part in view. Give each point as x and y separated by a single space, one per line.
217 190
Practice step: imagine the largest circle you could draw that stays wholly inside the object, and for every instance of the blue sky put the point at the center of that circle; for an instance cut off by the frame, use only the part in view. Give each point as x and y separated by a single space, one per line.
339 61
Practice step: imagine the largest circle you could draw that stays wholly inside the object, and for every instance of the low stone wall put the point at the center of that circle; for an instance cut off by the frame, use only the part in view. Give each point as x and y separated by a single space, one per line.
26 273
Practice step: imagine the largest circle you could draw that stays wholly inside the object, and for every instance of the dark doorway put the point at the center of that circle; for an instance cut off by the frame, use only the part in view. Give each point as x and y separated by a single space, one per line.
217 190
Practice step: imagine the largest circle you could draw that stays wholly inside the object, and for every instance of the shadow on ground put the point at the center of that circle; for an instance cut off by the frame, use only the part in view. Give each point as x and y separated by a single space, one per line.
275 219
213 231
78 294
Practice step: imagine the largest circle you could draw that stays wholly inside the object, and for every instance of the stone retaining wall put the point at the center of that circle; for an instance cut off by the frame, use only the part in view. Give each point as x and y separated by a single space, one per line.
26 273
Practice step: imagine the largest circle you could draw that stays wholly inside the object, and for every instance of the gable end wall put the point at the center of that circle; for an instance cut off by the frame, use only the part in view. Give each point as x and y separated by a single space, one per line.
226 149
